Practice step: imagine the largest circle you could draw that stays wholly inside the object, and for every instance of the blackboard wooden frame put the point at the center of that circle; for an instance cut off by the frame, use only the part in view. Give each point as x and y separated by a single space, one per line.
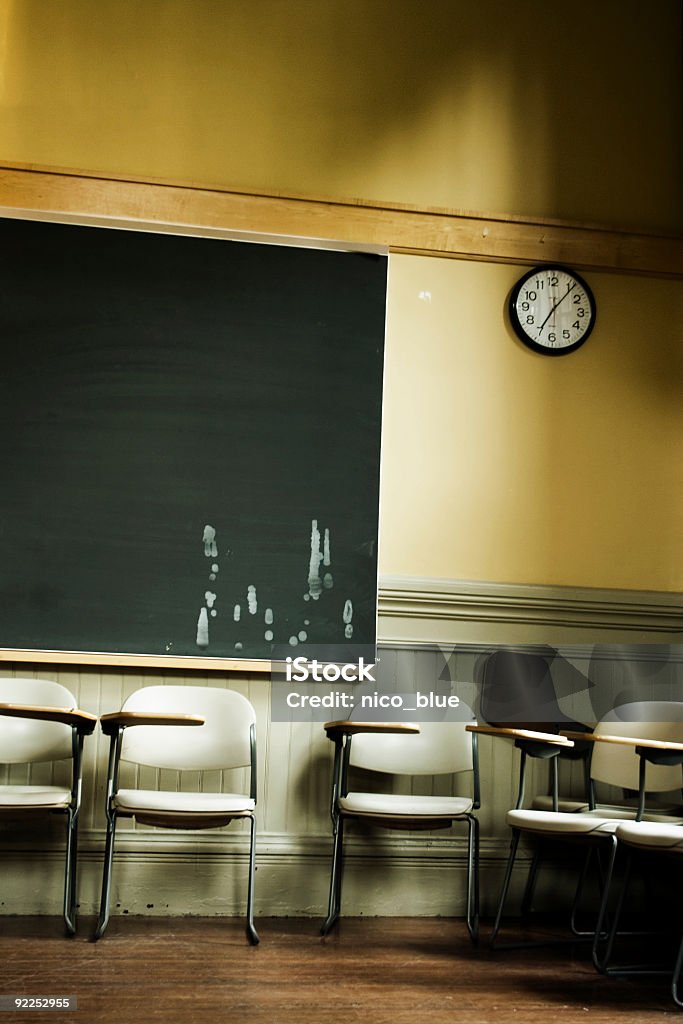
418 230
71 653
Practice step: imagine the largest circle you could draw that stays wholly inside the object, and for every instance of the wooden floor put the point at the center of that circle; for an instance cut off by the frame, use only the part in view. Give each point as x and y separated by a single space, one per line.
374 970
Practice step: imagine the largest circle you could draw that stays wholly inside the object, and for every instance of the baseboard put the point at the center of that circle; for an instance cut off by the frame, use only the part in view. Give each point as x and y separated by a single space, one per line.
165 874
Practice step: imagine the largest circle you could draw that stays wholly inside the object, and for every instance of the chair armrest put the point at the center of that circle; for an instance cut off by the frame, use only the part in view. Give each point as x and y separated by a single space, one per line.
523 734
663 752
115 720
632 741
82 721
666 752
336 730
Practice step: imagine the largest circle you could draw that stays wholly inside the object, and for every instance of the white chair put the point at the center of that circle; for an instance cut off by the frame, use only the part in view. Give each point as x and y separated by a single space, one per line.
151 729
40 722
432 748
629 752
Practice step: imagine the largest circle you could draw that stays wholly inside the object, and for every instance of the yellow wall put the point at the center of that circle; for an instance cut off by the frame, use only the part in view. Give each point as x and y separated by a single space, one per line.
501 464
498 464
483 106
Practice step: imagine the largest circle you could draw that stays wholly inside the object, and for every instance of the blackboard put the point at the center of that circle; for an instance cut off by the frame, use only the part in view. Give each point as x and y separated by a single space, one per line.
189 442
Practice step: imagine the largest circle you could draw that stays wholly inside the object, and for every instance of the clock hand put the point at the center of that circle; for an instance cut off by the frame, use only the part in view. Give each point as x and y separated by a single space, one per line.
570 289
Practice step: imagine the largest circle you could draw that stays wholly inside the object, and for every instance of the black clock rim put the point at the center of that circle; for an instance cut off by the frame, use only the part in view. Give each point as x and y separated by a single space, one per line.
519 330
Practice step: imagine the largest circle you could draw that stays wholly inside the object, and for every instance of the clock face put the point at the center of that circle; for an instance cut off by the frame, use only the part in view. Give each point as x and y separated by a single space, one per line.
552 310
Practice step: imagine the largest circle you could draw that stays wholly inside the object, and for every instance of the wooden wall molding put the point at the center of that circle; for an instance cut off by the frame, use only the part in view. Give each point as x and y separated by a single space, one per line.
81 195
442 610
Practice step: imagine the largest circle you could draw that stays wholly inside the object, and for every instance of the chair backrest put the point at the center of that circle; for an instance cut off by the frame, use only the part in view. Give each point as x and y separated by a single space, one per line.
439 747
618 765
518 688
24 740
514 686
224 741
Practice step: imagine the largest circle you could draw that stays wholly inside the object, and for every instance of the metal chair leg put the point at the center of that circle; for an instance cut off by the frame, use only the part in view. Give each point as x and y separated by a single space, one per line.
252 934
676 976
582 933
602 962
70 873
334 904
554 779
103 919
528 896
473 879
516 834
514 843
522 778
602 914
624 970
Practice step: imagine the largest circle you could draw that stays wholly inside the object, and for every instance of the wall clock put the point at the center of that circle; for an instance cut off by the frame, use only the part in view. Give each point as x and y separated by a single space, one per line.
552 310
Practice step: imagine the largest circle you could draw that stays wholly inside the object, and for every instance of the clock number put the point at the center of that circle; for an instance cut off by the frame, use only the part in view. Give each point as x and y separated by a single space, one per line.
552 337
581 312
577 298
531 296
525 306
566 335
553 282
530 320
576 325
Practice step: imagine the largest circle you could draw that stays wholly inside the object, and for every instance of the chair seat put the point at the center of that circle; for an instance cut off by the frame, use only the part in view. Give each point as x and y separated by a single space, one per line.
652 835
132 801
398 805
601 820
29 797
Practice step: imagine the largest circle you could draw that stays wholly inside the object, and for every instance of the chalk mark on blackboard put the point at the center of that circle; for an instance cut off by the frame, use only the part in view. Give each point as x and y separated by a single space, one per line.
314 581
203 629
348 616
210 551
320 555
209 538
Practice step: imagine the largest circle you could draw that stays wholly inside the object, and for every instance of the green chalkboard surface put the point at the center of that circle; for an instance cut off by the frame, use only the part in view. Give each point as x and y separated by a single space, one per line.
189 443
